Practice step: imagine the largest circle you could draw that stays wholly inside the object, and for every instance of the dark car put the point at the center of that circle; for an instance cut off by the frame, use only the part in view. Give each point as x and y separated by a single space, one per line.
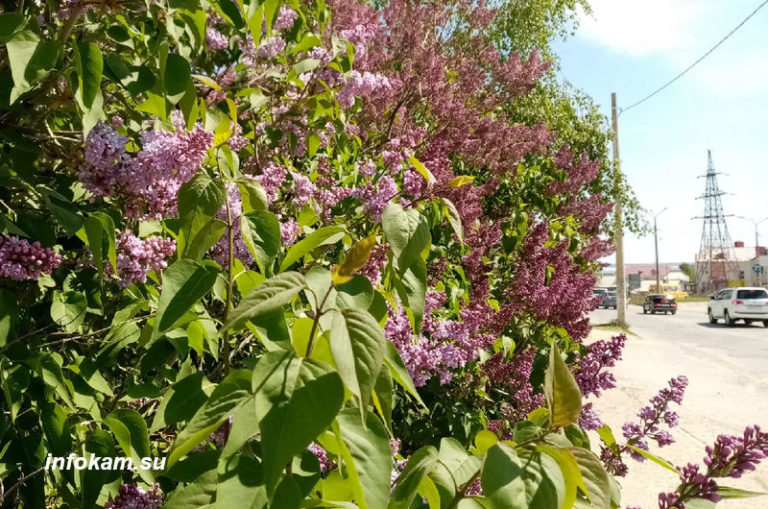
598 296
609 300
657 303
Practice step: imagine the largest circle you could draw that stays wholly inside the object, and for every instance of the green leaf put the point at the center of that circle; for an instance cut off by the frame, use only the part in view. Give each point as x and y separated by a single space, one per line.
241 484
313 143
354 260
57 430
68 309
484 440
570 470
454 219
9 315
100 444
130 430
407 232
30 59
176 77
261 233
502 478
109 229
252 195
419 465
94 232
306 65
659 461
65 212
10 23
231 393
411 287
307 42
296 400
319 237
595 478
544 482
726 492
182 401
204 239
367 456
357 343
562 391
199 494
90 67
399 372
184 283
269 296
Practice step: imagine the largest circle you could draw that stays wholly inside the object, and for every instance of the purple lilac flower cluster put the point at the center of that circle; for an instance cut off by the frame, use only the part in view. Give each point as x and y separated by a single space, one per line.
271 179
214 39
136 257
326 465
730 456
149 179
20 260
220 250
289 231
375 264
131 496
590 374
376 196
444 345
285 18
514 375
365 85
651 416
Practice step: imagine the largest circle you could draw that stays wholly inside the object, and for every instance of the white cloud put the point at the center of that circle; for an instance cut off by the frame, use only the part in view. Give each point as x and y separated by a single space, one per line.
642 27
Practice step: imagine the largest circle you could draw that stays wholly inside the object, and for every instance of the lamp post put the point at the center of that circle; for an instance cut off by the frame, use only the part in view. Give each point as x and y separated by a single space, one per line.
656 248
756 223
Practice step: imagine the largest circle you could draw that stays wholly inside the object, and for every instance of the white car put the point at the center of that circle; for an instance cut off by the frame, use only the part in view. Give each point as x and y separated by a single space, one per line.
743 303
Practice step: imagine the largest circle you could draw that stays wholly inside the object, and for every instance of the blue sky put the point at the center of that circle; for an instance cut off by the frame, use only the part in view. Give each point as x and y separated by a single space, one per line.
631 47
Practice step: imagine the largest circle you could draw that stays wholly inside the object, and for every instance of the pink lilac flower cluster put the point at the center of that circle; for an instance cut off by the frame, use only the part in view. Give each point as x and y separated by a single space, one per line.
20 260
214 39
150 179
590 371
730 456
397 464
377 196
444 345
289 231
224 79
651 417
514 375
326 465
365 85
578 175
589 419
590 212
136 257
131 496
271 180
285 18
550 286
220 250
237 141
375 264
270 48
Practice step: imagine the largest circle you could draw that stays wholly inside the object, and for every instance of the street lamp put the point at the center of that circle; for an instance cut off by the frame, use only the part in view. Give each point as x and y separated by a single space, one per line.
656 248
756 223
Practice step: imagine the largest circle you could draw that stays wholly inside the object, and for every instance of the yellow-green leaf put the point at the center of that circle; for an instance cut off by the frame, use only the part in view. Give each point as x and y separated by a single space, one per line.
562 391
355 259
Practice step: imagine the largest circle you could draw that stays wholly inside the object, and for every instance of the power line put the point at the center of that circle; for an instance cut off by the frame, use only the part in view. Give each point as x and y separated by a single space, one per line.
705 55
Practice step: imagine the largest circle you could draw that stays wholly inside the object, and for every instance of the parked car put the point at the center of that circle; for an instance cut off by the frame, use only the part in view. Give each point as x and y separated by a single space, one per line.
658 303
609 300
598 296
743 303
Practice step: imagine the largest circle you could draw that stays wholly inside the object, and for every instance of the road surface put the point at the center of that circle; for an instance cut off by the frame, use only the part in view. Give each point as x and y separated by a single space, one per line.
727 369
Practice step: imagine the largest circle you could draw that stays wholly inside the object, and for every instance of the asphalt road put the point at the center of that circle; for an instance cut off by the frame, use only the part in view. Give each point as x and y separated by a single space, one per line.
727 368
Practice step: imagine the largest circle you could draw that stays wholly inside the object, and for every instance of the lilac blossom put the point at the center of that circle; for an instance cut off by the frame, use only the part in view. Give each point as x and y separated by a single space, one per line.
137 257
271 179
270 48
131 496
20 260
590 374
326 465
220 250
150 179
377 196
375 264
289 232
285 18
215 40
365 84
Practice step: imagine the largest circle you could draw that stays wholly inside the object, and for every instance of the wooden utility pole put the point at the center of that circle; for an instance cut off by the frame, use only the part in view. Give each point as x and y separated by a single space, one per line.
621 290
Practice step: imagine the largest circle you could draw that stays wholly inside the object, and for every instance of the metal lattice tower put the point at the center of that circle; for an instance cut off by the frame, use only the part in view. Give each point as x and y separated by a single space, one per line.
716 261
